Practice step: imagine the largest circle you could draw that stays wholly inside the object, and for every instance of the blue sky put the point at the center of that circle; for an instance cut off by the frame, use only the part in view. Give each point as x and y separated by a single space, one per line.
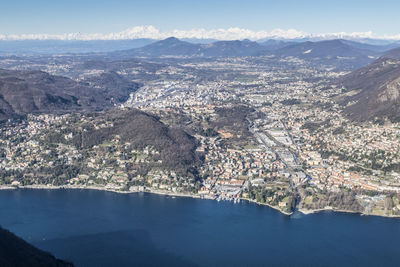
104 16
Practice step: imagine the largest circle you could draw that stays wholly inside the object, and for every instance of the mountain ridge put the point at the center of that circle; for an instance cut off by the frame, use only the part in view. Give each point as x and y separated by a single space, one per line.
14 251
24 92
337 52
376 89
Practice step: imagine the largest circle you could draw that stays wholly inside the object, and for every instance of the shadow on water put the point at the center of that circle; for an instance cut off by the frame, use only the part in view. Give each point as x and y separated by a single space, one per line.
121 248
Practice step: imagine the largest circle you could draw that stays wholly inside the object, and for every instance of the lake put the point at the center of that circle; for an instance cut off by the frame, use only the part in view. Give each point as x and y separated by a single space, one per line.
98 228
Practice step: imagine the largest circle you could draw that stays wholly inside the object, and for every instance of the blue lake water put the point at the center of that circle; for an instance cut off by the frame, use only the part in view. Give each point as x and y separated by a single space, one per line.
95 228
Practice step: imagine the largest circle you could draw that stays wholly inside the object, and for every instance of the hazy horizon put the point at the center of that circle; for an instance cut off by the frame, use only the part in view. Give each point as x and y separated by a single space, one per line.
221 20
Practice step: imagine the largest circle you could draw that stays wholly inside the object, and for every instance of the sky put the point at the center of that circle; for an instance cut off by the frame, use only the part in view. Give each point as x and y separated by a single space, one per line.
56 17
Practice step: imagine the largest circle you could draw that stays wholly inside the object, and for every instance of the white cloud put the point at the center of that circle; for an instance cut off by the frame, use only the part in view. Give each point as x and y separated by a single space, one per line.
219 34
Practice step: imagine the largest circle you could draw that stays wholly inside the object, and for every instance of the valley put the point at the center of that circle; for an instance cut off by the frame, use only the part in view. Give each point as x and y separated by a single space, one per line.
269 129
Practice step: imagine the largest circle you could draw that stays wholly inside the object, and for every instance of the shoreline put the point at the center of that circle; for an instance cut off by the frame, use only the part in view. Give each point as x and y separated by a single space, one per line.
268 205
68 187
307 212
173 194
54 187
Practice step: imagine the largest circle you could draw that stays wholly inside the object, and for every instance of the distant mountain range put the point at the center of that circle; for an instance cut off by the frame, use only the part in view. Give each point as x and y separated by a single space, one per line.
23 92
338 53
333 52
331 48
19 47
372 47
177 48
375 89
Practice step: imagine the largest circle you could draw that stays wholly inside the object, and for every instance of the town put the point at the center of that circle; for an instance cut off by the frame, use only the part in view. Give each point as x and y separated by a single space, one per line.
272 132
